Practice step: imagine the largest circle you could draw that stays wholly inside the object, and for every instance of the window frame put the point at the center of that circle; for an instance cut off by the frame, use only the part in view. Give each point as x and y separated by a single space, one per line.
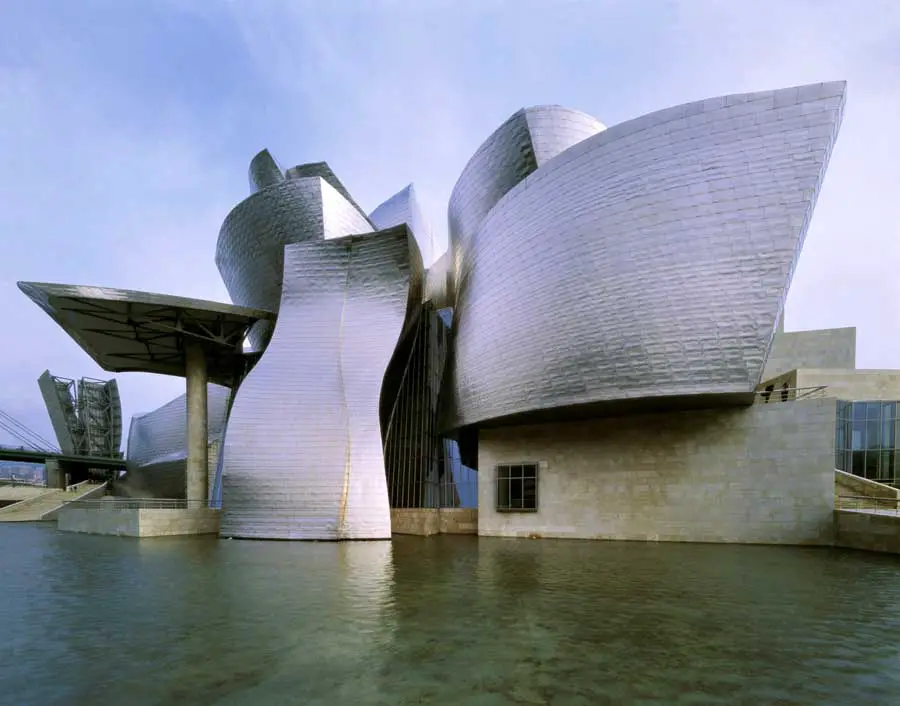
504 472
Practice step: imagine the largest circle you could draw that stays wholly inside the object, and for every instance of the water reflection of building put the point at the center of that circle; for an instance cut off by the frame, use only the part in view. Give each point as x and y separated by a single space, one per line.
601 343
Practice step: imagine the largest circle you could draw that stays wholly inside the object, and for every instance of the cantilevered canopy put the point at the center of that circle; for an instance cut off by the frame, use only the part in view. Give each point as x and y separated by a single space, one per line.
128 331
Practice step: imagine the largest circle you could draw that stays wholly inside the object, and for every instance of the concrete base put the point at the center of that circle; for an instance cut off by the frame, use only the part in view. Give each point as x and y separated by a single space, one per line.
871 530
428 521
123 522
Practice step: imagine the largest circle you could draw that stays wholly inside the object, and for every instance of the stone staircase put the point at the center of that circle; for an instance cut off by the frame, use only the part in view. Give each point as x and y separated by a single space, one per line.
43 505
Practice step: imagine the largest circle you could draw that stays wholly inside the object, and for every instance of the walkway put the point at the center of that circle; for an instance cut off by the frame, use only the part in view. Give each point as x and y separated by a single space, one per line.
33 509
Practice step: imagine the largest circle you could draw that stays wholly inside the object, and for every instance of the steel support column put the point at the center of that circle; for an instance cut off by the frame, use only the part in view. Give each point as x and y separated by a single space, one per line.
196 474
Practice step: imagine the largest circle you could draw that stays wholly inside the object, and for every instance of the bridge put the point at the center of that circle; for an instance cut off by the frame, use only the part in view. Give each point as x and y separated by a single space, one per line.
34 448
38 456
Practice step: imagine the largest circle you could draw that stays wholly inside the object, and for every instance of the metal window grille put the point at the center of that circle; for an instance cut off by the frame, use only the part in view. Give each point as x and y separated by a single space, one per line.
517 488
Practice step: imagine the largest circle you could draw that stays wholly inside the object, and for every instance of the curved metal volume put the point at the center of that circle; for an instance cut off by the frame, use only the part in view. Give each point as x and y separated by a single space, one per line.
522 144
250 248
651 260
157 445
303 453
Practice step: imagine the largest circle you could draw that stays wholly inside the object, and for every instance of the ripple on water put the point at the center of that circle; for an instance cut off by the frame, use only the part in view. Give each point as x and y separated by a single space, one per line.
444 620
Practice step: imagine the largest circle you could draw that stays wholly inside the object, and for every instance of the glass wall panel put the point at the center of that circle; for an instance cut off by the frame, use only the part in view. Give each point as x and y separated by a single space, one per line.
867 440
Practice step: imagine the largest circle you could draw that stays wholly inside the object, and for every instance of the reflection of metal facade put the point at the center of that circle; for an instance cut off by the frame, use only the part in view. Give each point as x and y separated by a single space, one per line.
303 455
403 207
650 260
250 249
86 414
157 445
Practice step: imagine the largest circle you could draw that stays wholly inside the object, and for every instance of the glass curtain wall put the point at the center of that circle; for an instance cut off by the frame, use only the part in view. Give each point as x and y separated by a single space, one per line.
867 440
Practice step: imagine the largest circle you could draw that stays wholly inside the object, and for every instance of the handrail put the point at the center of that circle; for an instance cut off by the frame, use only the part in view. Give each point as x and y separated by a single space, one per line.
791 394
116 503
868 503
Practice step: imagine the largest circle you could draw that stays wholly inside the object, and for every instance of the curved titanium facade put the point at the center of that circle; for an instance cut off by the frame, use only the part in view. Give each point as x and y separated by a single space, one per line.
303 454
157 445
250 248
651 260
403 208
264 171
526 141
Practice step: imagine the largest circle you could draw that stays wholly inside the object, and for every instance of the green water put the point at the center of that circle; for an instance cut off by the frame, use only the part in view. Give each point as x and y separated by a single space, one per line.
445 620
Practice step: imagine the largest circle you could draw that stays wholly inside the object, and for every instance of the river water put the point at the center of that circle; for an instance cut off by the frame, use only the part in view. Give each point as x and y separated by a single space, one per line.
444 620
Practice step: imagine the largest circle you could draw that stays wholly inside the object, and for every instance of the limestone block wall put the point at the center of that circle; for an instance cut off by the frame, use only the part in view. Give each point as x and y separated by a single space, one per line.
133 522
867 530
822 348
853 384
849 485
428 521
758 474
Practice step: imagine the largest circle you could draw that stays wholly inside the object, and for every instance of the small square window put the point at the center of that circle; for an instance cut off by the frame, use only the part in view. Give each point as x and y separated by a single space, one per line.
517 487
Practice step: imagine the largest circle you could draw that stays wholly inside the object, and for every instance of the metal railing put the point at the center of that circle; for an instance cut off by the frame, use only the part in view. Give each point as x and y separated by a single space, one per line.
790 394
114 503
868 503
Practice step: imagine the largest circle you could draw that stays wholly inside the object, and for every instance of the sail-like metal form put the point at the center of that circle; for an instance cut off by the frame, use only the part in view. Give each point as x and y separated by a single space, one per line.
649 261
403 207
250 248
86 414
303 456
157 445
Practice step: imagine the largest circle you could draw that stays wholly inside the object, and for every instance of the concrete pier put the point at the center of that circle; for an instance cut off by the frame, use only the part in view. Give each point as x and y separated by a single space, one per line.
196 483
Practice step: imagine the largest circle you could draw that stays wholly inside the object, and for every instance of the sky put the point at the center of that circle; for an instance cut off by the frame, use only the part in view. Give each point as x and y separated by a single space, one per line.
126 129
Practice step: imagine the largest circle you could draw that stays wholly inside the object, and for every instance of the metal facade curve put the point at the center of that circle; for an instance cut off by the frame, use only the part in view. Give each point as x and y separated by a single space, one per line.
157 444
264 171
250 248
529 138
303 455
403 207
650 260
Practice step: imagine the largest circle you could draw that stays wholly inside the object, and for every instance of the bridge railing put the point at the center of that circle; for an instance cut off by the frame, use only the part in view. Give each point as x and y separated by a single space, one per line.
116 503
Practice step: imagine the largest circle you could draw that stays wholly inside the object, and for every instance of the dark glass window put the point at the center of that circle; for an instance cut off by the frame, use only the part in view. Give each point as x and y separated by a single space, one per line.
517 487
867 440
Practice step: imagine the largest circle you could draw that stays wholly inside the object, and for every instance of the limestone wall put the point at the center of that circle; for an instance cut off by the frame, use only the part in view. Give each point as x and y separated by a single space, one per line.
763 473
853 384
128 522
867 530
428 521
849 485
822 348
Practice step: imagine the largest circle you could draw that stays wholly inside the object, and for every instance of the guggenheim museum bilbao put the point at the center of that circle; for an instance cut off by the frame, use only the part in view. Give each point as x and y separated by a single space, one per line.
592 348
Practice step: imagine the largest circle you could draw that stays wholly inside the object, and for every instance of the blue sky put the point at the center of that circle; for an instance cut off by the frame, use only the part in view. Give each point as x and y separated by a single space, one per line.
126 129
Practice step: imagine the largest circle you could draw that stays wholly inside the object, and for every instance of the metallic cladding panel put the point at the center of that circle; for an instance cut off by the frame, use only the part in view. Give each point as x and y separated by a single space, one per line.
250 248
321 169
157 444
264 171
303 454
529 138
650 260
403 207
439 283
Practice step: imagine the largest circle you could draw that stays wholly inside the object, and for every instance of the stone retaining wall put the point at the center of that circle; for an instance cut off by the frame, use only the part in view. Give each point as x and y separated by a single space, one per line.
139 523
428 521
